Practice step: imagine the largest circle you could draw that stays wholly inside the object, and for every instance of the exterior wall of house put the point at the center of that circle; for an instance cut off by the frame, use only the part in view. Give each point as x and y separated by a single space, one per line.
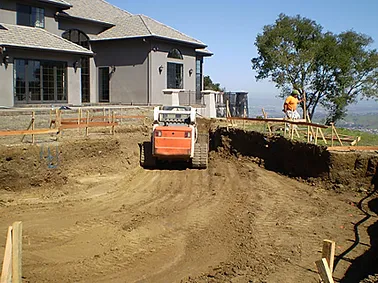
129 81
6 85
158 57
7 73
8 13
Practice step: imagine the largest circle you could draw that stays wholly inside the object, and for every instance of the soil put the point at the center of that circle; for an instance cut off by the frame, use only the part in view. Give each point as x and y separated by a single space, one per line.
90 213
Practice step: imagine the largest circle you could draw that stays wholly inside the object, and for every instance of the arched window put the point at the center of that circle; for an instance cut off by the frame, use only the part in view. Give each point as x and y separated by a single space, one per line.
175 54
77 36
80 38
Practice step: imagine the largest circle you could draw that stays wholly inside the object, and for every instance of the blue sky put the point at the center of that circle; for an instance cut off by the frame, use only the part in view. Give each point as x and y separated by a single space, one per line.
229 28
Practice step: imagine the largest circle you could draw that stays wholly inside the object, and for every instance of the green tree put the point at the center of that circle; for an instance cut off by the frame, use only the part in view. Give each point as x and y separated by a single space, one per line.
209 85
333 70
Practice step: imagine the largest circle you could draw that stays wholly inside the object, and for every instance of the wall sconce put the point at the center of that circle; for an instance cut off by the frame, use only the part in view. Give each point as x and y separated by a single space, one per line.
161 69
2 49
190 72
6 60
76 65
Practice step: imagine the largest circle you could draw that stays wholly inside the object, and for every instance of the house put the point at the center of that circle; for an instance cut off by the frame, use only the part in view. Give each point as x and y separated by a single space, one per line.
88 51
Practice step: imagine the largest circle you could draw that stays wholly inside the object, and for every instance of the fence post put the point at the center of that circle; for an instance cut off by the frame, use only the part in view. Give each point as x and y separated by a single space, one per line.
17 252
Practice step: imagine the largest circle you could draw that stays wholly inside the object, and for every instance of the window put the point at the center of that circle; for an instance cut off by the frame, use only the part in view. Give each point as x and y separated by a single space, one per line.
199 82
40 81
175 76
175 54
30 16
104 84
80 38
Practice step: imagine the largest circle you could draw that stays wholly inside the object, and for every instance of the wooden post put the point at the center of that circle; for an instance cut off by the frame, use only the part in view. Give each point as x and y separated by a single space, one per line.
33 125
324 271
113 121
50 118
321 133
332 134
79 116
337 135
265 116
328 252
87 127
17 252
316 135
6 272
103 114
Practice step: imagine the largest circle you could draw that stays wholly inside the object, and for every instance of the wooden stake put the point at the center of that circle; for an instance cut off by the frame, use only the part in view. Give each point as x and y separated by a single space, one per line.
103 113
324 271
32 126
332 134
6 272
337 135
87 128
316 136
266 117
328 252
79 118
321 133
17 252
113 120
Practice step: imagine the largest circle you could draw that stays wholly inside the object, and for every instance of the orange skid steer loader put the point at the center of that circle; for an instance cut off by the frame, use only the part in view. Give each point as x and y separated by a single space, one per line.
174 137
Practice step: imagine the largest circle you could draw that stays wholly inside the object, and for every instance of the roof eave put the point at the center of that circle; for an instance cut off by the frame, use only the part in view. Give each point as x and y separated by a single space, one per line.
204 53
195 44
85 53
67 16
60 5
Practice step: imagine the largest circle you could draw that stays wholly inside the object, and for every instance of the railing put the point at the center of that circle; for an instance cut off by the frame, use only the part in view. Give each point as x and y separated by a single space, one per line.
191 97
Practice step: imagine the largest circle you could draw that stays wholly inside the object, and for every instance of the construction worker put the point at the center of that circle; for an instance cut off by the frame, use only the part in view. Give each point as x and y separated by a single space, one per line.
290 105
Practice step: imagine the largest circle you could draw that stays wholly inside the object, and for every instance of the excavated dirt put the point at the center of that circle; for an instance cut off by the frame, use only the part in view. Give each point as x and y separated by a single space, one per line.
259 213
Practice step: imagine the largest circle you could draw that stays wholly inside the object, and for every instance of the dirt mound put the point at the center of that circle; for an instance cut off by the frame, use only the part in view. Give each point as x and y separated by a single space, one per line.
315 164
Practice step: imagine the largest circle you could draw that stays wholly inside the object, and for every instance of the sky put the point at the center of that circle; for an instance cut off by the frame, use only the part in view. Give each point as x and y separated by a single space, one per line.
229 28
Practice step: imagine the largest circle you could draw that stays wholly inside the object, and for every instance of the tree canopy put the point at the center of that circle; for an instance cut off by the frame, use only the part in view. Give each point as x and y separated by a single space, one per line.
210 85
333 70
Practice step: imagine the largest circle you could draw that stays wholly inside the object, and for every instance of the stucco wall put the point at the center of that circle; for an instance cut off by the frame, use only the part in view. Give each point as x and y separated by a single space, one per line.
6 85
129 82
159 58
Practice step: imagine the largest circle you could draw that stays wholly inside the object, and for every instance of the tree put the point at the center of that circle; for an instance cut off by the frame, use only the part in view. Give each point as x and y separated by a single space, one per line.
209 85
333 70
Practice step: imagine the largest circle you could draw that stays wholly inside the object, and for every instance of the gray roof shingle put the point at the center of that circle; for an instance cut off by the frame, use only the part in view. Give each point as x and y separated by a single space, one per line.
37 38
143 26
96 10
125 24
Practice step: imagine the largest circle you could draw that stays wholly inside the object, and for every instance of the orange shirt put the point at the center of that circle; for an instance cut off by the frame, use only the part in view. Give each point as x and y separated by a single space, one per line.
291 102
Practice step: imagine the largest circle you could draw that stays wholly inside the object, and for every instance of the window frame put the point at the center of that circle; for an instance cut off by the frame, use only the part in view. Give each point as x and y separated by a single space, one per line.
60 89
173 81
31 16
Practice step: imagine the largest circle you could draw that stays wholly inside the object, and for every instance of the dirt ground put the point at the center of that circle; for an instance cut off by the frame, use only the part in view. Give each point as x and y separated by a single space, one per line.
90 213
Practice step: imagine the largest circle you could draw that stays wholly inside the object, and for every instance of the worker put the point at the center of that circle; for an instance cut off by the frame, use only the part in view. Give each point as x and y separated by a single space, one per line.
290 105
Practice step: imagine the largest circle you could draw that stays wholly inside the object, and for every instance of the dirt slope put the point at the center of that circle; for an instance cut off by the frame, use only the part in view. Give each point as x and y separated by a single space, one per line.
99 217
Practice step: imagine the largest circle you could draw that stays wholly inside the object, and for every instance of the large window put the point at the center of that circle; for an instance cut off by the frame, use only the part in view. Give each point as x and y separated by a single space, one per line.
199 82
174 75
104 84
30 16
80 38
40 81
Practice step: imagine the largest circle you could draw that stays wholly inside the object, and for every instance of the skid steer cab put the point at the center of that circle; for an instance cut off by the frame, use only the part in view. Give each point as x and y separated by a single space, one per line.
174 138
